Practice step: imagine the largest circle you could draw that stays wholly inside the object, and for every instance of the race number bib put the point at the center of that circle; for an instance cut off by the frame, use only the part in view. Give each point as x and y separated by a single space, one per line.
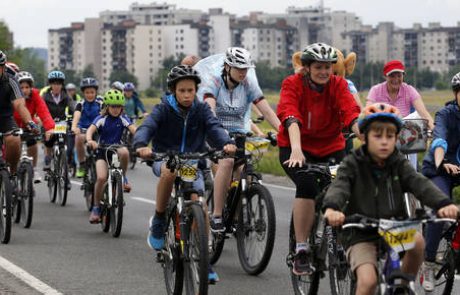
399 235
189 171
60 128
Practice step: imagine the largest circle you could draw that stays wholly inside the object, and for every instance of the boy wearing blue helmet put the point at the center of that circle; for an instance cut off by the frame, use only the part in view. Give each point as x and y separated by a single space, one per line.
371 181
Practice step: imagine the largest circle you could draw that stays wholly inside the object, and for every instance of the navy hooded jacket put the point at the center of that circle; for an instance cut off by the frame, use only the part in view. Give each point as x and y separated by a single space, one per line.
169 130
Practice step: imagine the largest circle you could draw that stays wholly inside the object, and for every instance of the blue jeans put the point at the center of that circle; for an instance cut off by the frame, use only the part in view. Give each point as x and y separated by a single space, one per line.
434 231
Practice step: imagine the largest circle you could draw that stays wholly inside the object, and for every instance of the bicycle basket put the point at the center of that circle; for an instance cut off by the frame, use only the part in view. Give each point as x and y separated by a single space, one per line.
413 136
399 235
188 171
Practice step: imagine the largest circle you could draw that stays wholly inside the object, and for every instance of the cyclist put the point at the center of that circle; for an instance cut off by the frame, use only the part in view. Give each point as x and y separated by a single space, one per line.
180 112
117 85
60 105
378 167
314 107
85 112
129 91
11 99
72 92
36 107
230 94
442 165
109 126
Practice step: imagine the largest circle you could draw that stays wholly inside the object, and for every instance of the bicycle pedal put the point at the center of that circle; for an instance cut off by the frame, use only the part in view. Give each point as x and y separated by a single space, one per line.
160 258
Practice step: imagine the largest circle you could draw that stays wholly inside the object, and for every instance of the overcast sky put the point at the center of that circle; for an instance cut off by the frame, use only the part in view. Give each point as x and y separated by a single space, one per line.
30 19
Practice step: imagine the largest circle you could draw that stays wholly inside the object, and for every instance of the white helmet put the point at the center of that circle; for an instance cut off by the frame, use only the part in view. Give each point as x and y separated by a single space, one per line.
24 76
239 58
455 83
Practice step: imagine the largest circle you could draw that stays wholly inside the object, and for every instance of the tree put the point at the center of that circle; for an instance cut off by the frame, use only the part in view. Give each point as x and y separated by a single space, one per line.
88 71
271 78
6 40
122 76
168 64
30 62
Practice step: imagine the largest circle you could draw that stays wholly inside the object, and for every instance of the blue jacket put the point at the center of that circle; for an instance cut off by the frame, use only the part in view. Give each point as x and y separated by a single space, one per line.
138 103
170 131
446 135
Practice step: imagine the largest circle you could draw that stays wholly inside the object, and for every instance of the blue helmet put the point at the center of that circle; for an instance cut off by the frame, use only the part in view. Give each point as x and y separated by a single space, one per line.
89 83
129 86
56 76
379 112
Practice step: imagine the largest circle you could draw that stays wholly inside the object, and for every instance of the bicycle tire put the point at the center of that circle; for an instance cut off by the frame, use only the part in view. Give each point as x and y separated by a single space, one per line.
132 159
89 185
16 210
105 211
259 225
302 285
52 184
5 204
340 276
445 269
62 178
26 191
173 268
116 211
198 247
217 239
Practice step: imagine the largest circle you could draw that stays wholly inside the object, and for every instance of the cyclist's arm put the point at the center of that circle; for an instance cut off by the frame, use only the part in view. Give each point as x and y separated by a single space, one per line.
76 119
139 103
43 112
439 144
214 130
421 109
19 106
211 101
339 192
132 128
90 132
268 113
370 99
347 104
147 130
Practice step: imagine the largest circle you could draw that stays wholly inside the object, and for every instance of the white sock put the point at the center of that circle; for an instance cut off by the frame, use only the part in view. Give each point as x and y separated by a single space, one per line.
301 246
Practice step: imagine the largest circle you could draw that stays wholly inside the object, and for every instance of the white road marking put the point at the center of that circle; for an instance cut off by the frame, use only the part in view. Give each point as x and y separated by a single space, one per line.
143 200
27 278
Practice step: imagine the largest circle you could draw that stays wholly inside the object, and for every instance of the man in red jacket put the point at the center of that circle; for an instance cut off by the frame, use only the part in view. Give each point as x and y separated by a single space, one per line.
37 107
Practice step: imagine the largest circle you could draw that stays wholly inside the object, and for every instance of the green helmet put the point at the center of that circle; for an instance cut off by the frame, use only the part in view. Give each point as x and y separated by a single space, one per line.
114 98
319 52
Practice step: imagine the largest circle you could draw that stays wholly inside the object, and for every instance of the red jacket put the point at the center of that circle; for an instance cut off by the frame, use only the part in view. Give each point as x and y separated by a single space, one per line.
322 116
37 107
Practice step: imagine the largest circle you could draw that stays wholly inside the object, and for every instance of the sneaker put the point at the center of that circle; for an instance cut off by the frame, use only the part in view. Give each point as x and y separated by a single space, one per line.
37 177
95 216
126 185
156 236
217 226
302 266
212 276
81 172
428 276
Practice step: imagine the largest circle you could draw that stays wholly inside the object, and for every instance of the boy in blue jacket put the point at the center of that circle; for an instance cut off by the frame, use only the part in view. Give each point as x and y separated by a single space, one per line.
179 123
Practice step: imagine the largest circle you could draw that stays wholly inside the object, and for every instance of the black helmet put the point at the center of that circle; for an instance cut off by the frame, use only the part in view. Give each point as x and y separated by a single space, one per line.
182 72
88 82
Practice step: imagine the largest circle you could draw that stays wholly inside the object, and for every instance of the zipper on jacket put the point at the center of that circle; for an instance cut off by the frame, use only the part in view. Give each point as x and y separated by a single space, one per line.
182 146
391 199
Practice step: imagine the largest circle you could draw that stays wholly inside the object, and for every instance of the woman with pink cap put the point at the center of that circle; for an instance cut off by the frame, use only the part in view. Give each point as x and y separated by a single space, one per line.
396 92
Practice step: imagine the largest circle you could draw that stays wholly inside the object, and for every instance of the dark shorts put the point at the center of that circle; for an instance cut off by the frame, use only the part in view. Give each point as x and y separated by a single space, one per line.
101 155
7 124
307 186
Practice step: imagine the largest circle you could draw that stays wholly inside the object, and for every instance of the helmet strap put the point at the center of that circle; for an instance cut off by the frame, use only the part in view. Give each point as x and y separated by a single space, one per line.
228 76
314 86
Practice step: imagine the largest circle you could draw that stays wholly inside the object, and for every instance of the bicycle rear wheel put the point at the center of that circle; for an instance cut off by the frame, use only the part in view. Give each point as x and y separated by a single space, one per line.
62 178
196 260
340 275
116 211
303 285
256 229
5 205
216 240
173 268
89 185
26 193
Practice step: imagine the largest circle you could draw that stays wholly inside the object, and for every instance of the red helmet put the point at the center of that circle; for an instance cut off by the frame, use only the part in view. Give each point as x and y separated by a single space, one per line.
12 66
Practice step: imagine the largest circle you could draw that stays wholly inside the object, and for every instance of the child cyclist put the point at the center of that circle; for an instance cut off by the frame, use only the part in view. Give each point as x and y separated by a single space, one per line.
179 112
85 112
109 126
378 167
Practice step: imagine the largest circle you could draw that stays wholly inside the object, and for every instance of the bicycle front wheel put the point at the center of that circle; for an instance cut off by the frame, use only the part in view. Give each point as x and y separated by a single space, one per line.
116 211
173 268
303 285
5 203
26 193
52 183
340 275
216 240
256 229
62 178
89 185
444 272
196 257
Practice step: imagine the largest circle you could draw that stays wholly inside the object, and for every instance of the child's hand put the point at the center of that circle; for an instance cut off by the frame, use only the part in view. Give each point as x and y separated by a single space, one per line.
48 134
230 149
296 158
451 169
76 130
450 211
334 217
144 152
92 144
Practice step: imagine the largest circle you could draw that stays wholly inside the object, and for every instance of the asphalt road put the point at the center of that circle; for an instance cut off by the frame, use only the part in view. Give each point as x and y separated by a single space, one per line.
68 255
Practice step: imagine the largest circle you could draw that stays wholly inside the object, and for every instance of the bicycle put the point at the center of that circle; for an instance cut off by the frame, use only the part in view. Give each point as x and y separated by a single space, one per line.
128 139
6 194
112 203
249 211
23 196
57 176
185 257
89 180
396 237
324 244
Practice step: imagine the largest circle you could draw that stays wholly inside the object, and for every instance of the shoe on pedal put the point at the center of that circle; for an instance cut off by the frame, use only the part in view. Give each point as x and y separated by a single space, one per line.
301 265
156 236
126 185
212 276
37 177
95 216
428 276
217 226
81 172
